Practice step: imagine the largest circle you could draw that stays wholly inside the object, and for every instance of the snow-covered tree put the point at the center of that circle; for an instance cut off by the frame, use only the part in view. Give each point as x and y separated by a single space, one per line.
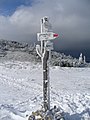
80 59
84 59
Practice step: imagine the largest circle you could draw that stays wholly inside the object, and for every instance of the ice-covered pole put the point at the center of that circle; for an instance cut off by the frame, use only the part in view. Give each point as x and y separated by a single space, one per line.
44 51
45 57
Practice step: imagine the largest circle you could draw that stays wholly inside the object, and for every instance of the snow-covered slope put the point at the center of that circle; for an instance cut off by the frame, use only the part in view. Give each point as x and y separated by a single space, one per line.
21 90
12 50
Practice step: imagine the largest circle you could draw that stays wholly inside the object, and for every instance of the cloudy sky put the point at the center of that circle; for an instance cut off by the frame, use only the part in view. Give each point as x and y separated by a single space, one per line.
20 20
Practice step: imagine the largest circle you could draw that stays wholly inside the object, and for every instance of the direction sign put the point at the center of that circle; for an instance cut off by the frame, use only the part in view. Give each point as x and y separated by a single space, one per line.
46 36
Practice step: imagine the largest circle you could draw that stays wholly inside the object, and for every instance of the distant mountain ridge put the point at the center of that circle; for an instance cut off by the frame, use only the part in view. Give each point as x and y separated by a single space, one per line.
12 50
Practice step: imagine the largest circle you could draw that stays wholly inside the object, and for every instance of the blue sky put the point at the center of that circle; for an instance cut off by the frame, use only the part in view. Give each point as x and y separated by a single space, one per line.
7 7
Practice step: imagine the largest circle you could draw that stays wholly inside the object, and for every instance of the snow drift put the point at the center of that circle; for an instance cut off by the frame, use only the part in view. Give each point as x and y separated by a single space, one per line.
21 90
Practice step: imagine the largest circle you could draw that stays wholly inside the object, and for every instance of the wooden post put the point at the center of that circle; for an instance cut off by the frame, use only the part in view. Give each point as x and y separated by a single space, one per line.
45 36
46 82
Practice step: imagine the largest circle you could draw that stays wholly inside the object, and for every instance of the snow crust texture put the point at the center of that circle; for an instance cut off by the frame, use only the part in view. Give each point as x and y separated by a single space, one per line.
21 90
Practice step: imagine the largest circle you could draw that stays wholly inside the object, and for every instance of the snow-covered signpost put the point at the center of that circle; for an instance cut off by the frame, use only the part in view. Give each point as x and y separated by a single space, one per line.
43 51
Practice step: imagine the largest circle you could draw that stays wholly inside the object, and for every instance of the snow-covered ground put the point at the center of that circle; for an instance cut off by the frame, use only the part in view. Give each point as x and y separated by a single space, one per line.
21 90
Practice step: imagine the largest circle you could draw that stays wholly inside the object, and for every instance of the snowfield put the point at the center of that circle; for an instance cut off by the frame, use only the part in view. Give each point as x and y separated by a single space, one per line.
21 90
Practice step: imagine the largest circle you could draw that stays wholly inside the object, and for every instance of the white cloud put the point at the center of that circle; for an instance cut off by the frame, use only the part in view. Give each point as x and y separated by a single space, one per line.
68 18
